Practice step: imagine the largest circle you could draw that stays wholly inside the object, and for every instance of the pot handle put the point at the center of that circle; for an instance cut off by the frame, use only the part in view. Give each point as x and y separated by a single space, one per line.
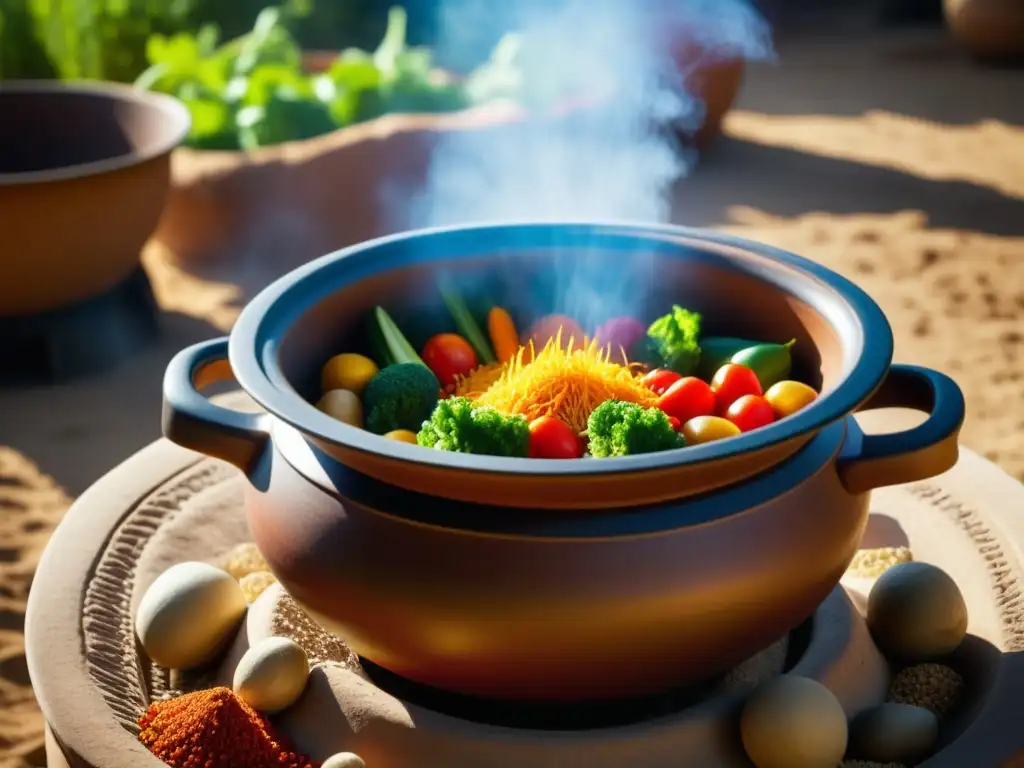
192 421
924 451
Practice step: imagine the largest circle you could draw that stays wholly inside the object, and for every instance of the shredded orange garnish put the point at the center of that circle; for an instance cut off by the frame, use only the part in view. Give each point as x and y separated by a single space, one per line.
476 382
561 382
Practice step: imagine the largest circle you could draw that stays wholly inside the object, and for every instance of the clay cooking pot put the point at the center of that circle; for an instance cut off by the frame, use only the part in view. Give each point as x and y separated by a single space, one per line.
561 580
990 30
84 174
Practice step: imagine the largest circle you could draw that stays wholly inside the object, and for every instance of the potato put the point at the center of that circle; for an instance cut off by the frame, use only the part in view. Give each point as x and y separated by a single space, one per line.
342 405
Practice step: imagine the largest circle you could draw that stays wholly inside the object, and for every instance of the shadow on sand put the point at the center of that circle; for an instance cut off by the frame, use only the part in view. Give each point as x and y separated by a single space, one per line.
790 183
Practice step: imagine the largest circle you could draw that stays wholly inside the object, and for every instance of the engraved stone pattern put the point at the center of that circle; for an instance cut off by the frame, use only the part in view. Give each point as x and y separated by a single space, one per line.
110 647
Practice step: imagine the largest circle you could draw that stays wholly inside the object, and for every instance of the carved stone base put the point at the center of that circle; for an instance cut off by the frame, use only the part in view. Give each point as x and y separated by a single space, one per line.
165 505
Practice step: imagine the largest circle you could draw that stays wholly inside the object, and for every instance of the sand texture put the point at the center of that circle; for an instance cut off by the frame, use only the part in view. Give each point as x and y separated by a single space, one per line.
889 159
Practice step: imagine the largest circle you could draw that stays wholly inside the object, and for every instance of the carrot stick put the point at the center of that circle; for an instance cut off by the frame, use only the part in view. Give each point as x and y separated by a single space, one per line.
503 334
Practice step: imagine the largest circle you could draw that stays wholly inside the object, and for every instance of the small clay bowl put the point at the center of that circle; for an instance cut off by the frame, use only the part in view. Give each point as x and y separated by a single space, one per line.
84 174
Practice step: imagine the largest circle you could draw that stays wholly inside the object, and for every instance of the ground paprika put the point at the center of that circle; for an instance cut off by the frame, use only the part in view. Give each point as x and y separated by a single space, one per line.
215 729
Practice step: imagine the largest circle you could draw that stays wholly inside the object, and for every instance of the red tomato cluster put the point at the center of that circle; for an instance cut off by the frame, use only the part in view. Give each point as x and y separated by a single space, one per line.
733 394
687 399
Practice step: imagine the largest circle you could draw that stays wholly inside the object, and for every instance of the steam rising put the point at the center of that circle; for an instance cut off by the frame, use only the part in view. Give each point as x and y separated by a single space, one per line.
614 159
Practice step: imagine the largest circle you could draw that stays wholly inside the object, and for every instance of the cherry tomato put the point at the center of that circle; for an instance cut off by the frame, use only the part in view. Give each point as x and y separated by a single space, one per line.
788 397
449 355
706 429
551 438
731 382
660 379
750 412
687 399
675 423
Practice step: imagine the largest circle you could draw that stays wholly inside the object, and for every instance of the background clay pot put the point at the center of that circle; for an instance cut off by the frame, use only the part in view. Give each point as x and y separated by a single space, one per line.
715 79
718 85
988 29
278 207
84 174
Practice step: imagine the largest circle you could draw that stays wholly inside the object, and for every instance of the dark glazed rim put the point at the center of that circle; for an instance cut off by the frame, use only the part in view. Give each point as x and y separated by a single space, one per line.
256 337
172 109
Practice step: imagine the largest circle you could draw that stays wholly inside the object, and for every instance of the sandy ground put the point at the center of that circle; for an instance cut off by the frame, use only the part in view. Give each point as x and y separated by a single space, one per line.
891 160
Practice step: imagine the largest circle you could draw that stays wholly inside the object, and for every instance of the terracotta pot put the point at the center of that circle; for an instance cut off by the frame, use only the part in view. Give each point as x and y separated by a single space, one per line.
988 29
718 85
281 206
84 174
687 561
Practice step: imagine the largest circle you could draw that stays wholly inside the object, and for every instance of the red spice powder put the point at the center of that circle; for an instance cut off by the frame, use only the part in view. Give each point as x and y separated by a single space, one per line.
215 729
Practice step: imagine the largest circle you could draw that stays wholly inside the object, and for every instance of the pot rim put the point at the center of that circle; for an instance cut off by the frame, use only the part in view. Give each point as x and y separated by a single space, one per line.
255 339
171 108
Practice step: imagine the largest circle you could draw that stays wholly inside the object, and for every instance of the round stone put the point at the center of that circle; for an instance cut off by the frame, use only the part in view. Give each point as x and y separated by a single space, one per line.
794 722
916 613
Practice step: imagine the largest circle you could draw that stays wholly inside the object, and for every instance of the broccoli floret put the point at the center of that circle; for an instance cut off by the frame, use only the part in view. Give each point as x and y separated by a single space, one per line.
618 428
674 340
401 396
457 425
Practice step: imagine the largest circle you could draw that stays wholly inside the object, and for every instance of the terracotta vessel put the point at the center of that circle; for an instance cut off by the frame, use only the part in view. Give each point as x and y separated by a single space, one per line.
302 199
718 84
710 45
516 578
280 206
988 29
84 174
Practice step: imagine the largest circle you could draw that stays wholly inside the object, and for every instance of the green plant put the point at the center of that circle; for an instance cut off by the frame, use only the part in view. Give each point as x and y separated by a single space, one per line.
22 53
252 91
102 39
107 39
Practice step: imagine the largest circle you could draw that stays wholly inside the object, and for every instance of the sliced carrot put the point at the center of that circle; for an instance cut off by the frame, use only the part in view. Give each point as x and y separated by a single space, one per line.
503 334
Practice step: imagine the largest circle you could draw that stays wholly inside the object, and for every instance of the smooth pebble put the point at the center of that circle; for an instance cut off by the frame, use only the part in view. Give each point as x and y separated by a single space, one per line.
916 613
344 760
794 722
272 674
894 733
188 614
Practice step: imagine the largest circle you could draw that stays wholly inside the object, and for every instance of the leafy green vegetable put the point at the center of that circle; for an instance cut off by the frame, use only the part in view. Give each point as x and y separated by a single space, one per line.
457 425
389 343
466 323
351 88
253 92
618 428
84 39
401 396
673 340
286 116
